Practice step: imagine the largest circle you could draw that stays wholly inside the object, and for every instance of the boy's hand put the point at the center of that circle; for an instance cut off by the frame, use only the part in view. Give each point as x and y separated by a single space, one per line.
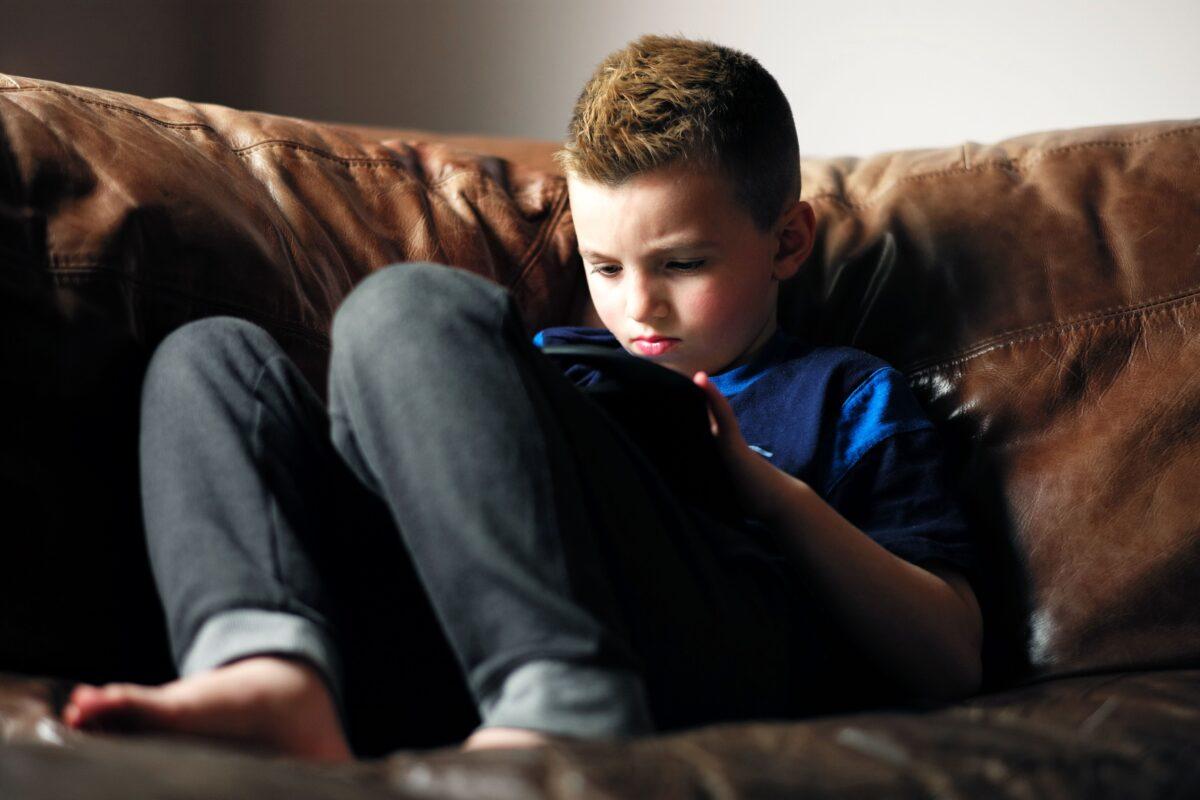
754 478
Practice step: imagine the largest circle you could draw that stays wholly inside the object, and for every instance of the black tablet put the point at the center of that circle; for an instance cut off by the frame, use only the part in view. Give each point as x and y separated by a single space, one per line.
664 414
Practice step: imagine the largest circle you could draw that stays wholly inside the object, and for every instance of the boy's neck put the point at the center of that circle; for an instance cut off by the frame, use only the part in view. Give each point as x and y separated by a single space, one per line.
764 338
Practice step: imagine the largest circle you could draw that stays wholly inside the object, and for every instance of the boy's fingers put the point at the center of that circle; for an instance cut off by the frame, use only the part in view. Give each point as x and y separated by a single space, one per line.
718 399
716 414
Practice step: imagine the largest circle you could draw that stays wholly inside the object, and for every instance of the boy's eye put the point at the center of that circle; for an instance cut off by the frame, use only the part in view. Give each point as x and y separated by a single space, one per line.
681 266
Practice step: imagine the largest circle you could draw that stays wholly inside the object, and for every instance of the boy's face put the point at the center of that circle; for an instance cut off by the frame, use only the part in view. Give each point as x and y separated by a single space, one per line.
669 253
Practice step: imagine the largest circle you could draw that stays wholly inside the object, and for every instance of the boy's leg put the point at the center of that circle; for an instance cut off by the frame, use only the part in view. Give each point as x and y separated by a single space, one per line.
263 542
579 596
226 456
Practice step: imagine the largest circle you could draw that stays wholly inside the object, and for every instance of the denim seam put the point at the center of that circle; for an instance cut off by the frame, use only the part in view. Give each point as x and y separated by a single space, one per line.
257 448
281 600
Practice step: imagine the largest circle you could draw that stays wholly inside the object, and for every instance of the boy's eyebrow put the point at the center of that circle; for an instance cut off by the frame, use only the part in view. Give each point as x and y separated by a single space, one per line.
682 245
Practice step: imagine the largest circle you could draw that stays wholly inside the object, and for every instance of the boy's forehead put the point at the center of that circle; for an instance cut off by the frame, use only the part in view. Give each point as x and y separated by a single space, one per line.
669 204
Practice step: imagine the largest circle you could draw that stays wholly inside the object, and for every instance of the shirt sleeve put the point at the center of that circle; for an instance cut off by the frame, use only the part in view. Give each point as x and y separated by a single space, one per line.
889 476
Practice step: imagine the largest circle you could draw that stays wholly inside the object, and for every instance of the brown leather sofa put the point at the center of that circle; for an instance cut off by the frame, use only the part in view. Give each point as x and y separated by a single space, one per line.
1042 294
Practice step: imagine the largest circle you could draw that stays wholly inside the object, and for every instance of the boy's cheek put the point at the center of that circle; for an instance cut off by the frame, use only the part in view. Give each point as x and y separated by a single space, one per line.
717 309
601 300
604 309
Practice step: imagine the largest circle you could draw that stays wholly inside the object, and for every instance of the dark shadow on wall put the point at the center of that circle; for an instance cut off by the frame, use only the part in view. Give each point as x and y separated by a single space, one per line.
442 66
200 51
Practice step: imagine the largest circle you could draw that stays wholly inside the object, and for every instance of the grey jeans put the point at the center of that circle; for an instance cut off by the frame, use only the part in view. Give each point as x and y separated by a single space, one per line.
462 538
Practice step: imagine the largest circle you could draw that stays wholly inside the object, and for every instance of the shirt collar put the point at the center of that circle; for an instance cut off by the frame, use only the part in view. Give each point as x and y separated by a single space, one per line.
732 381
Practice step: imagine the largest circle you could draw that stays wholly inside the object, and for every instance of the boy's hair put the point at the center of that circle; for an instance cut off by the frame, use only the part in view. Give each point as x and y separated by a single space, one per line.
663 99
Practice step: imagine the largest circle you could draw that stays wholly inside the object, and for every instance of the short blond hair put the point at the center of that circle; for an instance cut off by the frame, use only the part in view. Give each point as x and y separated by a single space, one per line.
662 100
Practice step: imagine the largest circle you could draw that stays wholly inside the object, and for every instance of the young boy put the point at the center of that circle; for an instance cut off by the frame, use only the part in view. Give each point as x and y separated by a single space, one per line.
578 595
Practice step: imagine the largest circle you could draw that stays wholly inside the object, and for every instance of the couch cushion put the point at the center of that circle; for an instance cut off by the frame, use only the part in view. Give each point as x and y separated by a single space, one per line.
1128 735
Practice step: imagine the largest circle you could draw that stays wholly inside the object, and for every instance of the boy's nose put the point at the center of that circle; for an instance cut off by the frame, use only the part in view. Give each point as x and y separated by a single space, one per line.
643 302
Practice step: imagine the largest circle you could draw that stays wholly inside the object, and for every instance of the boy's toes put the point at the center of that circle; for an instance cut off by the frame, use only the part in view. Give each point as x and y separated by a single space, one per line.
115 707
81 697
82 691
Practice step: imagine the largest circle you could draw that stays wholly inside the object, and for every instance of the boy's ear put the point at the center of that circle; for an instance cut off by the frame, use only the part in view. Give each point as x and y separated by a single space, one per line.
796 234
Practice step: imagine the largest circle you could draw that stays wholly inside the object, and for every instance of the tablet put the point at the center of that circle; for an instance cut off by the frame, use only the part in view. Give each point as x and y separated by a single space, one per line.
665 415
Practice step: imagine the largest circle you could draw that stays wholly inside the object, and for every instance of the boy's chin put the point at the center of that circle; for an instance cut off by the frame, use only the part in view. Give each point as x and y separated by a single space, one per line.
663 362
682 369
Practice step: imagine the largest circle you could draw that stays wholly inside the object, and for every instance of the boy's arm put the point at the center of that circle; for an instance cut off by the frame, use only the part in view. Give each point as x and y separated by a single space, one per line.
924 624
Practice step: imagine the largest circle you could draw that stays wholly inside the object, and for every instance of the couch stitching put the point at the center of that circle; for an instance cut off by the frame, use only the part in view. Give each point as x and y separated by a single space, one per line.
1032 158
10 79
354 161
1184 298
348 161
74 274
114 107
351 161
1024 162
1099 321
1088 315
526 259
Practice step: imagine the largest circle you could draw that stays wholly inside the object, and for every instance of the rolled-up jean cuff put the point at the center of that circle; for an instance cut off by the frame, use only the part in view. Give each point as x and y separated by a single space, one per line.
243 632
556 697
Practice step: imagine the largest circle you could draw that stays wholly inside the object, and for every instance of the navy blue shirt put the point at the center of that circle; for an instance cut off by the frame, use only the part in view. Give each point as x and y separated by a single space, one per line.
846 423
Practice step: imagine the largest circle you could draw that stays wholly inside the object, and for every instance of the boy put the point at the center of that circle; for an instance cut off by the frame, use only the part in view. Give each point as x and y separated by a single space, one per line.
579 597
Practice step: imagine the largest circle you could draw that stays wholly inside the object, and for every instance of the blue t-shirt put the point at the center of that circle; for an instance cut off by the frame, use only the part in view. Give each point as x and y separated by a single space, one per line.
846 423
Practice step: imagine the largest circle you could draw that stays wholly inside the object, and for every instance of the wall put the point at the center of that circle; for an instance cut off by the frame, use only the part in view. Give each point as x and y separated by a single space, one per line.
861 76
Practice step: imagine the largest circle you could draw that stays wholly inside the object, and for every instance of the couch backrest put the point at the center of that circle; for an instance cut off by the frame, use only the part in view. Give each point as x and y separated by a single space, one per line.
1041 294
161 211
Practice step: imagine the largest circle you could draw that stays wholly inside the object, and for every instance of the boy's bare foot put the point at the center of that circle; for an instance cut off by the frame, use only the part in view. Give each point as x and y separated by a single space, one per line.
278 703
497 737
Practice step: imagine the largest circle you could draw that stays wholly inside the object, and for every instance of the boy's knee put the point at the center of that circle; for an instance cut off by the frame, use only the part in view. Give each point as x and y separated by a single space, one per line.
420 296
202 345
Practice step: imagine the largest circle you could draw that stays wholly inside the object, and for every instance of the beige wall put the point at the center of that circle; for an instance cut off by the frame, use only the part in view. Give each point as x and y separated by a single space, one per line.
861 76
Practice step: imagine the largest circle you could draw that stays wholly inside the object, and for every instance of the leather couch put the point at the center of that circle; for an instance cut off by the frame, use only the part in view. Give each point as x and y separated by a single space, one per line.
1042 294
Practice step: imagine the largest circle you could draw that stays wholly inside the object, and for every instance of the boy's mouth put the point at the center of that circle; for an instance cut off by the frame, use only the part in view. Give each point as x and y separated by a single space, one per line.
654 346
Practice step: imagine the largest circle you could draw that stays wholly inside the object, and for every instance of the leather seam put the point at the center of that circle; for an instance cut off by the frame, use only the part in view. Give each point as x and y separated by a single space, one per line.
97 268
1144 310
112 106
349 161
1166 297
1011 165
